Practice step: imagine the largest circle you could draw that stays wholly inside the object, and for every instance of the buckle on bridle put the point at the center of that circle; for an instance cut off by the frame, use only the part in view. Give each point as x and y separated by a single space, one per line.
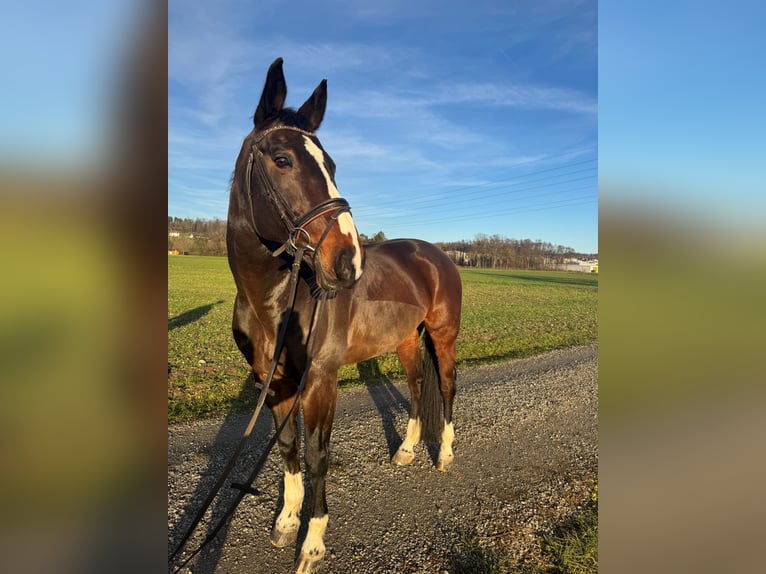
337 205
294 236
291 246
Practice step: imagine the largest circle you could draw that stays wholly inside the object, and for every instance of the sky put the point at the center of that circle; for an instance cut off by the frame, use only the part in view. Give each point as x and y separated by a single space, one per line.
681 120
445 119
59 76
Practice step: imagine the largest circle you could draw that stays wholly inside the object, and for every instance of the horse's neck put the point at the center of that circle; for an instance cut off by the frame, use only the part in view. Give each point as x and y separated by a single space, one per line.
263 279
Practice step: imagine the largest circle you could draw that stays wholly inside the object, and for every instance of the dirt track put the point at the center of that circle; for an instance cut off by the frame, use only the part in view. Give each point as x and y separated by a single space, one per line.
525 456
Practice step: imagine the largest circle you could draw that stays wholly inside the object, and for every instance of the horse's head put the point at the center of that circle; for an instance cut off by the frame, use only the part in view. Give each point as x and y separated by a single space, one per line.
294 204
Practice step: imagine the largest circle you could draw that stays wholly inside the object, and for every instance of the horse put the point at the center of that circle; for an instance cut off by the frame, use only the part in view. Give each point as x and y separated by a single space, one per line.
285 211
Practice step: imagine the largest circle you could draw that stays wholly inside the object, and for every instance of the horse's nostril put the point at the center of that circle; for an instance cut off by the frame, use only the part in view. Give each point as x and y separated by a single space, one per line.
344 266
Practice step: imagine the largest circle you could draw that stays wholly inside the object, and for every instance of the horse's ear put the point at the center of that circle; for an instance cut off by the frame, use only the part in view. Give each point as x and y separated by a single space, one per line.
274 93
313 108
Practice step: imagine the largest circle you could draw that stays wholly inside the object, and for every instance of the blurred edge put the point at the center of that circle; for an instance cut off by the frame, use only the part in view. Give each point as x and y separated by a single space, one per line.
82 323
682 265
681 394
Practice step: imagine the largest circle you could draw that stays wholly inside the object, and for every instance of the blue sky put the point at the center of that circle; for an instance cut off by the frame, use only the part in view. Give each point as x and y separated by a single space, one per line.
59 76
445 119
681 120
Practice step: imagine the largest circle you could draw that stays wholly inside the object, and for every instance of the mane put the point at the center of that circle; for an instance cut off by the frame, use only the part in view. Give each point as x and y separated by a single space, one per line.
288 117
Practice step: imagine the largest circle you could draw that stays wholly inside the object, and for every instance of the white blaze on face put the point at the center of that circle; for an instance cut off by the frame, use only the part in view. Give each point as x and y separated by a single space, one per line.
345 222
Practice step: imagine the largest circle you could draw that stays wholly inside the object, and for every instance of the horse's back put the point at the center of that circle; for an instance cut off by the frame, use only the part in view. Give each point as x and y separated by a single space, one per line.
404 281
406 268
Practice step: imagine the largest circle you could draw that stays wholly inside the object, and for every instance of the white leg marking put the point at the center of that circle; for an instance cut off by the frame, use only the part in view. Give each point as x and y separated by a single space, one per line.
289 519
313 547
445 451
345 222
406 453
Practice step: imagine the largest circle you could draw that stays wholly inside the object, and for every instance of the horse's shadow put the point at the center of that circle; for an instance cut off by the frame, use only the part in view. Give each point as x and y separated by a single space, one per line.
387 398
191 315
390 404
218 452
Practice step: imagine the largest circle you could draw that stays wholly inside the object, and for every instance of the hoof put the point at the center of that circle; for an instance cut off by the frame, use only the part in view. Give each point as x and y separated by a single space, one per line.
403 457
307 566
282 539
444 463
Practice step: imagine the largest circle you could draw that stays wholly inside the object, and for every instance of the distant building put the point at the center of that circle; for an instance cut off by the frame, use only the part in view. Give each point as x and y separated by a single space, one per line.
590 266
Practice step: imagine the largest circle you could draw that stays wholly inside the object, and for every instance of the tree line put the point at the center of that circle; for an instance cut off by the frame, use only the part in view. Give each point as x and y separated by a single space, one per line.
499 252
208 237
196 236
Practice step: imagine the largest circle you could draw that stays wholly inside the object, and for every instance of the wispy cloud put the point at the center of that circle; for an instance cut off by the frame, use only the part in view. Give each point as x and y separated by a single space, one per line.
312 58
516 96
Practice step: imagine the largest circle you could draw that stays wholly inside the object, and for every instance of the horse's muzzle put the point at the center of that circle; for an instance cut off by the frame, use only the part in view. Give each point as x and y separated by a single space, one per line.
344 273
345 270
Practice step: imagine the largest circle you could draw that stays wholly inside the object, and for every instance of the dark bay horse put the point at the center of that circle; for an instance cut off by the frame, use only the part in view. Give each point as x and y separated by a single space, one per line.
401 294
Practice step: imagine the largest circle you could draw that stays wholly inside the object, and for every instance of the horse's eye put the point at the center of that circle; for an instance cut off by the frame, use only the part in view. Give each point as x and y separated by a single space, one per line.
282 161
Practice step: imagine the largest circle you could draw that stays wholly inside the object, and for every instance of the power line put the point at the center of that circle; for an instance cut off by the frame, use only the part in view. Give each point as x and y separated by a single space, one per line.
451 203
567 202
447 207
415 196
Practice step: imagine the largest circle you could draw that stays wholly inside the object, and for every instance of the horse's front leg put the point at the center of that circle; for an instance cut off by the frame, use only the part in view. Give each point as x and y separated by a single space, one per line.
288 521
318 412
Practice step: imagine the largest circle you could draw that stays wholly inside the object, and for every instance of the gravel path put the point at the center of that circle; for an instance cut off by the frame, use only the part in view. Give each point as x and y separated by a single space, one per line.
526 456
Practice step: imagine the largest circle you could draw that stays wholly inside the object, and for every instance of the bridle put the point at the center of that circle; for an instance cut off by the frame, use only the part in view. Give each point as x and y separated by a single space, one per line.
294 225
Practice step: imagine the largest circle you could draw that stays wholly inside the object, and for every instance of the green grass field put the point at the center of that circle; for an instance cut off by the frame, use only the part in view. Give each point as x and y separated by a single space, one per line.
506 314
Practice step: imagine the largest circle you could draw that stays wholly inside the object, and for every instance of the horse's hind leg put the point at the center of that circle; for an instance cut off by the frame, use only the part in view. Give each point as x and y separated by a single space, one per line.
286 526
409 355
444 342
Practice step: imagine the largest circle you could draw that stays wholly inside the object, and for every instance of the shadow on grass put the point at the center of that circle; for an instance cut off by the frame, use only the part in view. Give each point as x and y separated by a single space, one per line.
573 545
191 315
578 279
471 556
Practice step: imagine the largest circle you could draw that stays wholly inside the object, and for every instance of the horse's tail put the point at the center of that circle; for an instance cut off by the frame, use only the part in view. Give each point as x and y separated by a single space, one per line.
431 418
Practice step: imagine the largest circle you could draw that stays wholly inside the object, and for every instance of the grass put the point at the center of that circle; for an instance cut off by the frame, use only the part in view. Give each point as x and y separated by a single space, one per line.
513 314
506 315
474 557
206 371
570 548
